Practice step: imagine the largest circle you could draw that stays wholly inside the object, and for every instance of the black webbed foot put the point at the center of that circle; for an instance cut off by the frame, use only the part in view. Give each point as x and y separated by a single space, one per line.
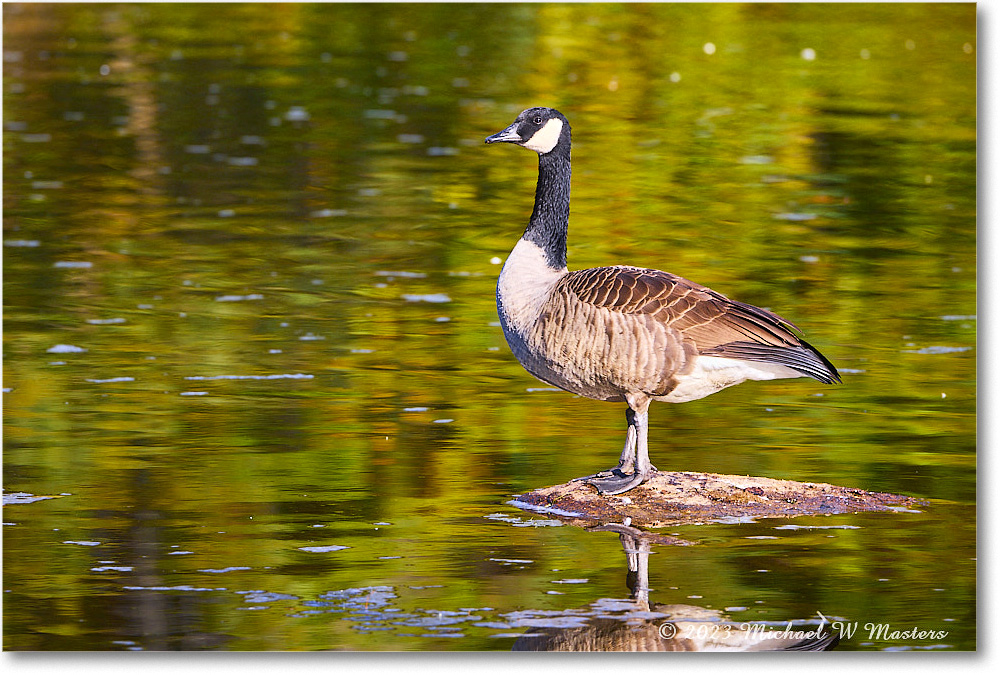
607 473
618 483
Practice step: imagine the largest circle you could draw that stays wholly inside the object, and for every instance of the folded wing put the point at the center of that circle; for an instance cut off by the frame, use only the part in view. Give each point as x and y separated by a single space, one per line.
711 322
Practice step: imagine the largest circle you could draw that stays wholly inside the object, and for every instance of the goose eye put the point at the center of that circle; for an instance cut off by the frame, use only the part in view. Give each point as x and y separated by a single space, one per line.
537 120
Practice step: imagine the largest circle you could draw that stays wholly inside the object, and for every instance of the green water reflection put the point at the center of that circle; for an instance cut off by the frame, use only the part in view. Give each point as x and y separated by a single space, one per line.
271 234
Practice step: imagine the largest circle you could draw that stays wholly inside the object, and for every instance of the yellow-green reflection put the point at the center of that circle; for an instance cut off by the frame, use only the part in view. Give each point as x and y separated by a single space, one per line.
259 191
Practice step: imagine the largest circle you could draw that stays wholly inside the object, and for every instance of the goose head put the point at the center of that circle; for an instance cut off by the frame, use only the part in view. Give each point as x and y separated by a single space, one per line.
538 129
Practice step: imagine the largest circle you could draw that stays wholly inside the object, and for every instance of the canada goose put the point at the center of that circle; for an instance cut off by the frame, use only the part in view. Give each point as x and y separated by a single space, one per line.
626 333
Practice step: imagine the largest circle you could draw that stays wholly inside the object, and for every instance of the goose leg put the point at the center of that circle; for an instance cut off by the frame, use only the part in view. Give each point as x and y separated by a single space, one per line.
634 467
641 469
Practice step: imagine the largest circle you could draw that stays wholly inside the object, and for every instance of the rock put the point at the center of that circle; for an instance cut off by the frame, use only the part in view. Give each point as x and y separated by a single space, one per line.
687 498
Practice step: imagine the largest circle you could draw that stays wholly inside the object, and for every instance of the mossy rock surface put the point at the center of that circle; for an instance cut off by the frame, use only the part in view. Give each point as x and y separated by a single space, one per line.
688 498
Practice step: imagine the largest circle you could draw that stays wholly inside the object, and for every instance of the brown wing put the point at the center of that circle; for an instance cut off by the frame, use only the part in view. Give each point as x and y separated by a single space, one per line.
715 324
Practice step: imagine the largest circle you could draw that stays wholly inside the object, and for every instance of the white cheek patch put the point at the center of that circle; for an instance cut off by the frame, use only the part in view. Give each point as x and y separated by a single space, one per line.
545 138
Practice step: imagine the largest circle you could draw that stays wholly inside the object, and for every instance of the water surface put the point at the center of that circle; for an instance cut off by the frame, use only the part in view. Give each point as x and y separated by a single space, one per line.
255 392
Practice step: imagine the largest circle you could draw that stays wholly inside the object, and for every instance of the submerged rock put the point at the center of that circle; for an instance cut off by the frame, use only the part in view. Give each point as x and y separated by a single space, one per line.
689 497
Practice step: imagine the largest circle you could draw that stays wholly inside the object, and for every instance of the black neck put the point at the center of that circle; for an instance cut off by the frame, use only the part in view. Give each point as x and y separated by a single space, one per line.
550 217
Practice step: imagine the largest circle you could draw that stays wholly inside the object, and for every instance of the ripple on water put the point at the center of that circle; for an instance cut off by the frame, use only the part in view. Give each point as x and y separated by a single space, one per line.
426 297
516 521
937 349
817 527
181 587
283 376
239 298
265 596
24 498
795 217
401 274
368 595
543 509
537 618
65 349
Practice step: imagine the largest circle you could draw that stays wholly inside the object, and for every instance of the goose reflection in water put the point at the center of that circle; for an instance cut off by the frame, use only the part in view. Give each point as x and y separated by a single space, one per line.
643 627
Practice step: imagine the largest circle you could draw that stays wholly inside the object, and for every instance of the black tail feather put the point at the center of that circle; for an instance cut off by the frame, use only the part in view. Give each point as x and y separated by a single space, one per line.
802 357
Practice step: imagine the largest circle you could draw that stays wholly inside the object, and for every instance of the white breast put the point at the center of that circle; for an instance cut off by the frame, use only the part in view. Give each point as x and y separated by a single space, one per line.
525 284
